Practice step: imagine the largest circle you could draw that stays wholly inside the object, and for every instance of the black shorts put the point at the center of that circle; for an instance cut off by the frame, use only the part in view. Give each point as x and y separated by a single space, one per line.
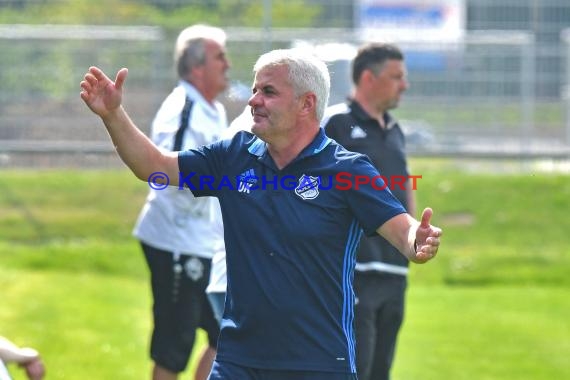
378 316
180 306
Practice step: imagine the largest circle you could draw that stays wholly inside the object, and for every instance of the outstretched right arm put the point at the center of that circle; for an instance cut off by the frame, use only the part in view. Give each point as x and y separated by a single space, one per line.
26 357
138 152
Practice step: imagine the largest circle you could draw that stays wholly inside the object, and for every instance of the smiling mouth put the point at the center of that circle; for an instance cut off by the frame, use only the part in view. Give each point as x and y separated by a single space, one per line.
257 118
256 114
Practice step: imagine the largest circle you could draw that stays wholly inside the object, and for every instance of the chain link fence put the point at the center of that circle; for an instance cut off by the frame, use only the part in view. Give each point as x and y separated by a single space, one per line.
500 92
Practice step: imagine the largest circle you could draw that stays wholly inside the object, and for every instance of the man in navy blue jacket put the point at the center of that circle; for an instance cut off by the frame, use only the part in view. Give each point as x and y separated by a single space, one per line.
294 205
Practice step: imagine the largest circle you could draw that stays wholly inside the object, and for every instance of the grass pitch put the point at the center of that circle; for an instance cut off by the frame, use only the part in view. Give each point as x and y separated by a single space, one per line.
493 305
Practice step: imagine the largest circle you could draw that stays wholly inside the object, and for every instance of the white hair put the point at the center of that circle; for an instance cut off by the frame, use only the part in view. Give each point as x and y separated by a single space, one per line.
307 73
189 50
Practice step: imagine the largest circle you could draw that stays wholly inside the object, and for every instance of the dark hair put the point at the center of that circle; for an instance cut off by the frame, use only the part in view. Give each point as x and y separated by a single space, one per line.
372 57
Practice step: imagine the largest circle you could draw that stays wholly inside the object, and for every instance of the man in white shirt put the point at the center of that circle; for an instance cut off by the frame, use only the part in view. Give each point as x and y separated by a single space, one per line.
216 289
175 229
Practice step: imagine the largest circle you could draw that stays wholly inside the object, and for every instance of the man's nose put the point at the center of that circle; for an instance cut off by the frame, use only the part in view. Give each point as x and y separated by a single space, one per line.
253 99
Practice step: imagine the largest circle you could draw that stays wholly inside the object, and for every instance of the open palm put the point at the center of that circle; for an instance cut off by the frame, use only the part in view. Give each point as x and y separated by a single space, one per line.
100 93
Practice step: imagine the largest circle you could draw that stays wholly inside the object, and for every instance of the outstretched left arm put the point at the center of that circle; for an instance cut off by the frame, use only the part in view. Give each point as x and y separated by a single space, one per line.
418 241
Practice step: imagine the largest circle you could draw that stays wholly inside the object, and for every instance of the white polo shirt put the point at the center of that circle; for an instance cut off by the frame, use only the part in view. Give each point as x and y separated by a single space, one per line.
4 375
218 272
174 220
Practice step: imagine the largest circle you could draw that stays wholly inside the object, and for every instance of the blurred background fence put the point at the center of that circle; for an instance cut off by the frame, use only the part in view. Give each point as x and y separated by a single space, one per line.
488 79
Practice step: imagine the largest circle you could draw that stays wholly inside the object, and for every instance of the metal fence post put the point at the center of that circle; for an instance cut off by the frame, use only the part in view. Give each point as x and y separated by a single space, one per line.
565 37
528 88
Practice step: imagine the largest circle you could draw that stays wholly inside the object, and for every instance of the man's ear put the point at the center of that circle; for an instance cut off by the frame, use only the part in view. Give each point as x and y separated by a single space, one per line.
309 103
196 73
367 76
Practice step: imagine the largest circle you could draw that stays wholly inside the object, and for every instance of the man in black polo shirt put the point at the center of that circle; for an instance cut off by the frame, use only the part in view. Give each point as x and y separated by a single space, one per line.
364 125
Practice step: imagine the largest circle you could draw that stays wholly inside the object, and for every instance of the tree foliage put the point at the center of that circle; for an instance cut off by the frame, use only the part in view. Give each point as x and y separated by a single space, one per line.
170 15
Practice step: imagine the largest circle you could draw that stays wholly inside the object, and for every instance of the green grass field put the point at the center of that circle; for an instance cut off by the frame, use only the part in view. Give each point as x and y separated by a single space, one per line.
494 305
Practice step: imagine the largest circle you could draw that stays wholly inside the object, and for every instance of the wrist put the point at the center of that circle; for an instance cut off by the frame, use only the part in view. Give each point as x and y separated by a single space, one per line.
412 242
